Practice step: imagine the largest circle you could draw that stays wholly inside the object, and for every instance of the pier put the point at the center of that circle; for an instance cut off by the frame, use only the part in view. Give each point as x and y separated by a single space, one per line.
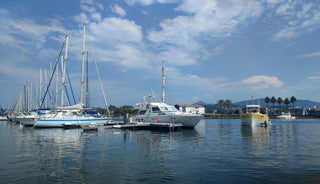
150 126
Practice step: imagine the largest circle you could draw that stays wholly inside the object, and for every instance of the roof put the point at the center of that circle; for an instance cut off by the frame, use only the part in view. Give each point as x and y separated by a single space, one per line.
189 105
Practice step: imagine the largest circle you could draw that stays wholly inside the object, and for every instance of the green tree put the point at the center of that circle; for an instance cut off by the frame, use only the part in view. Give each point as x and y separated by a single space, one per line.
267 101
120 111
279 101
273 101
293 100
221 104
228 103
287 102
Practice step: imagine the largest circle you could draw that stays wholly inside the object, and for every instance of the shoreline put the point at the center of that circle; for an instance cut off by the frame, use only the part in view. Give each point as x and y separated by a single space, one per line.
236 116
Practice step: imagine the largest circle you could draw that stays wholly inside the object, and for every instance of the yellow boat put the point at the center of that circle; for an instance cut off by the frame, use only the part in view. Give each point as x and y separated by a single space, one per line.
255 115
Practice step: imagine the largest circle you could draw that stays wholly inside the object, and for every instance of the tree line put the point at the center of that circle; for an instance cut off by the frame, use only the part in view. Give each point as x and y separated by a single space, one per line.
279 100
228 103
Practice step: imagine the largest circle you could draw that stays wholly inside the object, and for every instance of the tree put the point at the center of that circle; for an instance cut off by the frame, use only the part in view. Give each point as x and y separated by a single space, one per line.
267 101
228 103
279 101
287 102
293 100
273 101
221 103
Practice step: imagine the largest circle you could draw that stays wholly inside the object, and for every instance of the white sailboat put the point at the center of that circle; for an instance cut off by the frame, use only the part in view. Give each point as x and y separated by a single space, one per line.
70 115
152 111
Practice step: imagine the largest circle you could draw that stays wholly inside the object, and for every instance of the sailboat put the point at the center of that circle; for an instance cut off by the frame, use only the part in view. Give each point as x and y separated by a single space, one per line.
153 111
72 115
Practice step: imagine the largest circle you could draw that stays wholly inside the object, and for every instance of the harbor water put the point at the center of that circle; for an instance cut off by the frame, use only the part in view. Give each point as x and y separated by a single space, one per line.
216 151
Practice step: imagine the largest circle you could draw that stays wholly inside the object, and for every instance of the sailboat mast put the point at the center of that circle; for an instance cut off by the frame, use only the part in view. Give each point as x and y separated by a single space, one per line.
82 67
64 71
163 83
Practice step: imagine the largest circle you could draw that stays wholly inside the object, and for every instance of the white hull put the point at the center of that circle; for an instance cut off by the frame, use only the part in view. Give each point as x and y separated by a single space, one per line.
3 118
253 121
28 120
62 122
286 116
253 116
185 119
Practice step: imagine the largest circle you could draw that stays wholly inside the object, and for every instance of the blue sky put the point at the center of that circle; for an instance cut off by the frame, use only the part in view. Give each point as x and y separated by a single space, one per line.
212 49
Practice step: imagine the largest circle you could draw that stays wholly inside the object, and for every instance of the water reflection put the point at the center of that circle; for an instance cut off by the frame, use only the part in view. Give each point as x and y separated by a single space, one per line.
256 139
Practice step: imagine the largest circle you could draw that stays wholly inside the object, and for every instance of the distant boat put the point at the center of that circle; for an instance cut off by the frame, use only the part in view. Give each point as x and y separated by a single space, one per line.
286 116
255 115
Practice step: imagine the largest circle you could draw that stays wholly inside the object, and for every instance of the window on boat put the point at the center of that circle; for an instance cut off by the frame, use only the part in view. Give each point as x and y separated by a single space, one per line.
156 110
168 109
253 109
141 112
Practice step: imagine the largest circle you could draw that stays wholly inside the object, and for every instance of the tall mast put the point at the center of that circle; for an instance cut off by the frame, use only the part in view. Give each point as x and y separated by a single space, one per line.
87 82
64 71
163 82
82 67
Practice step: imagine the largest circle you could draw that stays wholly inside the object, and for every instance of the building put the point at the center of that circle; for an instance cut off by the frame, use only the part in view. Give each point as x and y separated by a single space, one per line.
189 108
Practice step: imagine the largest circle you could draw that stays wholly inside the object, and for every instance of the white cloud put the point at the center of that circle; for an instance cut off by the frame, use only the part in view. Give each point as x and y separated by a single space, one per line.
295 18
90 12
313 78
131 57
283 9
285 33
204 20
149 2
309 55
118 10
142 2
262 82
113 30
25 34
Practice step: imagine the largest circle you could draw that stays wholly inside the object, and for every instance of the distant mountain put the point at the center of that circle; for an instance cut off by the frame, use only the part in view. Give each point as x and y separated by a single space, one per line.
200 102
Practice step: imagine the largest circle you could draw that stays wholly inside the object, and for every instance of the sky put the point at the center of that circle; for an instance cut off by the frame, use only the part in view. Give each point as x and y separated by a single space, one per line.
212 49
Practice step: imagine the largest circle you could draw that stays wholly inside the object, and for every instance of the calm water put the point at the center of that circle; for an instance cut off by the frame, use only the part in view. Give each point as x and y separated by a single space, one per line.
217 151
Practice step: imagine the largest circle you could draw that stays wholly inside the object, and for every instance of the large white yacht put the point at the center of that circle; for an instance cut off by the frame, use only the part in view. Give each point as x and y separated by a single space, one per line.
161 112
154 111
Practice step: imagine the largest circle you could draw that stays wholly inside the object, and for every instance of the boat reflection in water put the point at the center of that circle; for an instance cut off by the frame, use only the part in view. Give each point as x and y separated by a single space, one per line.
257 139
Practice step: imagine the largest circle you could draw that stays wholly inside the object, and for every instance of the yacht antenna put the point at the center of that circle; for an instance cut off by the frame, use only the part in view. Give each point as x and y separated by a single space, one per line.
163 82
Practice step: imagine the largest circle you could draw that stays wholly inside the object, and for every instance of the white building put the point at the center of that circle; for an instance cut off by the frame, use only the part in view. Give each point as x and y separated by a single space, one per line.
189 108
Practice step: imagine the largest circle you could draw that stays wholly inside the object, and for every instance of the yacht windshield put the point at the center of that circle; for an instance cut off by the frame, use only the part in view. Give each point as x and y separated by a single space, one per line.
168 108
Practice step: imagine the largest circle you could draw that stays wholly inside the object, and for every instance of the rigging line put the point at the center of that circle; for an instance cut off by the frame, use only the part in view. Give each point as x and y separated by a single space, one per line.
54 69
71 89
101 86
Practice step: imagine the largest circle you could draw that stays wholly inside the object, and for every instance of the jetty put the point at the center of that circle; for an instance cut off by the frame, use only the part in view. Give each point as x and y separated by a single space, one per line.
127 125
150 126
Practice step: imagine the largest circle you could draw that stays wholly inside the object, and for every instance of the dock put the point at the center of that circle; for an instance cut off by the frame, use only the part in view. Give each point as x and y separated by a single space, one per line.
150 126
90 128
131 126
